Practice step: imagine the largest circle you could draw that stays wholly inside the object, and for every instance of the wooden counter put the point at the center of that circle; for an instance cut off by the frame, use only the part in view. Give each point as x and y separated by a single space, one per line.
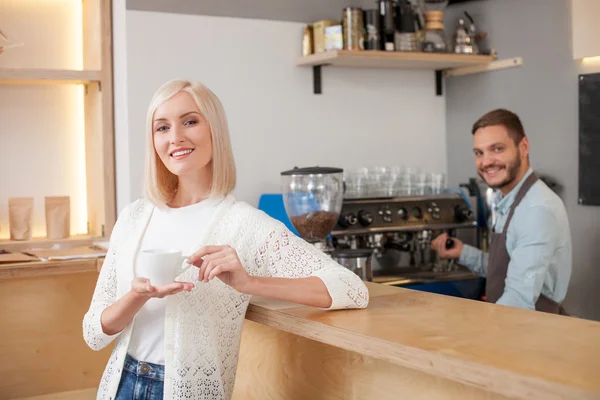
410 344
406 344
42 350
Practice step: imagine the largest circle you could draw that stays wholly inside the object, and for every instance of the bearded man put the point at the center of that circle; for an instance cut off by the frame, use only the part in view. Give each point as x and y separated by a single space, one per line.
530 257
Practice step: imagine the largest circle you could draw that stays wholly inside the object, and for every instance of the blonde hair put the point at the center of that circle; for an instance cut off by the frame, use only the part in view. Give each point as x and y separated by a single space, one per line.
160 184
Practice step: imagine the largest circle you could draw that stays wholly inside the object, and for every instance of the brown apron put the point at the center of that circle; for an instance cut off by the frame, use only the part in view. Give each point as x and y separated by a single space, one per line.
499 259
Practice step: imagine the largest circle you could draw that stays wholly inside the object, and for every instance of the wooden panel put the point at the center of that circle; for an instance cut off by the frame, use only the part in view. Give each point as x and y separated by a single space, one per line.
292 368
296 368
93 117
94 160
386 59
509 351
92 34
99 264
99 125
41 340
108 124
47 76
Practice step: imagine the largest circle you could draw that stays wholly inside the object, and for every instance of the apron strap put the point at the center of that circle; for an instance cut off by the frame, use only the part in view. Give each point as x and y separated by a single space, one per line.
531 179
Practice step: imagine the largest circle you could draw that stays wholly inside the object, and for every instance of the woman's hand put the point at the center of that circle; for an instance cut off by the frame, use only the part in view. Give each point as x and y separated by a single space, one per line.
143 287
221 262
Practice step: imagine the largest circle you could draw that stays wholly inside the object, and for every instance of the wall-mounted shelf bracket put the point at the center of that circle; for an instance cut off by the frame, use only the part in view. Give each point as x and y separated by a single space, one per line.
439 82
317 78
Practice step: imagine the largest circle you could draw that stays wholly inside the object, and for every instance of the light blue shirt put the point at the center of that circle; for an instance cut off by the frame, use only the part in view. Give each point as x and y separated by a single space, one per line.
538 242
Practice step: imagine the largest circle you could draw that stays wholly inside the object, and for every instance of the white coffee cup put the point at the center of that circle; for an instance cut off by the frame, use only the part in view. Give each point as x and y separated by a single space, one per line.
162 266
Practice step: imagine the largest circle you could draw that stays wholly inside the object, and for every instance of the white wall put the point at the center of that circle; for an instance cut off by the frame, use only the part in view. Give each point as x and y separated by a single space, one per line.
41 130
363 116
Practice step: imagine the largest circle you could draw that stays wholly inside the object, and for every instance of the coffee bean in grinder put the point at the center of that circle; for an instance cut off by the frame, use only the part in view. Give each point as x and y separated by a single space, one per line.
313 201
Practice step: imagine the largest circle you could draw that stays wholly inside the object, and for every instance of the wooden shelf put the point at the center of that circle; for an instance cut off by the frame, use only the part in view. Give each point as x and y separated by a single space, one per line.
20 245
438 62
55 267
47 76
45 268
389 59
97 109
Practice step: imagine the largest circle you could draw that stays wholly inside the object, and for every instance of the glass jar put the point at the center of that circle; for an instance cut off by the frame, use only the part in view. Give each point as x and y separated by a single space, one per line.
312 198
406 36
435 39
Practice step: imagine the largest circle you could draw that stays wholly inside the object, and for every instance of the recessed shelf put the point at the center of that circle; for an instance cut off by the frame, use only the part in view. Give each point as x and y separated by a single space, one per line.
45 268
21 245
47 76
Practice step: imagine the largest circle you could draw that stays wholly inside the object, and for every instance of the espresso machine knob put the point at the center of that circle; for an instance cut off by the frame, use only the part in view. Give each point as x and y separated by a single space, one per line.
365 218
402 213
417 213
462 213
347 220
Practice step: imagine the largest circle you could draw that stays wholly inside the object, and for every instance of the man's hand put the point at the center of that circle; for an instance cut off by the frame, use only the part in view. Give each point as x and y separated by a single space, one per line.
439 245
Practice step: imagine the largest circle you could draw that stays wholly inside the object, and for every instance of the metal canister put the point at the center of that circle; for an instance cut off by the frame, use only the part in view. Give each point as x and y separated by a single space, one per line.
357 261
373 30
353 29
307 41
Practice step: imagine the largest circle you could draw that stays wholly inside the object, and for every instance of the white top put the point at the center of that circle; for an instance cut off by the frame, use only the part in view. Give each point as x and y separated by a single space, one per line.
203 327
171 228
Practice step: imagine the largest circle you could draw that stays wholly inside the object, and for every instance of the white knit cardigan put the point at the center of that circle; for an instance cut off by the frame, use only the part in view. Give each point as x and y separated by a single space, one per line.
203 327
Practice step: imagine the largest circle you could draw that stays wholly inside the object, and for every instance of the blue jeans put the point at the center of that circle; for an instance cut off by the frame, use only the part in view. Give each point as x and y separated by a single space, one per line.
141 381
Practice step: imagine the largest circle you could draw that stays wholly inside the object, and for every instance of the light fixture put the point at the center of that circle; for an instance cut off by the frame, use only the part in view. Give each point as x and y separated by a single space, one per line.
591 60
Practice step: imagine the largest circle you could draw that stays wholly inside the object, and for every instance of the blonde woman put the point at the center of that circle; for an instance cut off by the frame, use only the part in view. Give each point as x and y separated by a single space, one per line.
181 340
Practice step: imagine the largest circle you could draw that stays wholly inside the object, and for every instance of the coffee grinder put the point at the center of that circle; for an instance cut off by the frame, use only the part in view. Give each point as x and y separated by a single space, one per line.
313 199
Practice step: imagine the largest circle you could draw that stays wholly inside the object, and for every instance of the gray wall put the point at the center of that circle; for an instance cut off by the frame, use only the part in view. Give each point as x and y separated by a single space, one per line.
280 10
543 92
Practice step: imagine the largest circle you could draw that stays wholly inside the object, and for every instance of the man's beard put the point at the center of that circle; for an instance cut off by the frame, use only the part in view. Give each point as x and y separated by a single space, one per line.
512 170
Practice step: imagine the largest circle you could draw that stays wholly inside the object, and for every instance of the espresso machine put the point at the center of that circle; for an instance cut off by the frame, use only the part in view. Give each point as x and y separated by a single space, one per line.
397 233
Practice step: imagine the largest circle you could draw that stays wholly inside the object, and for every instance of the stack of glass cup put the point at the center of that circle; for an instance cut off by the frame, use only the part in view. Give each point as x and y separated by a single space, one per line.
392 181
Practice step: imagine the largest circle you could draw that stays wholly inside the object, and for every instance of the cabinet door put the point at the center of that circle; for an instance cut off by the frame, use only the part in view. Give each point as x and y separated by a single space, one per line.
585 28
